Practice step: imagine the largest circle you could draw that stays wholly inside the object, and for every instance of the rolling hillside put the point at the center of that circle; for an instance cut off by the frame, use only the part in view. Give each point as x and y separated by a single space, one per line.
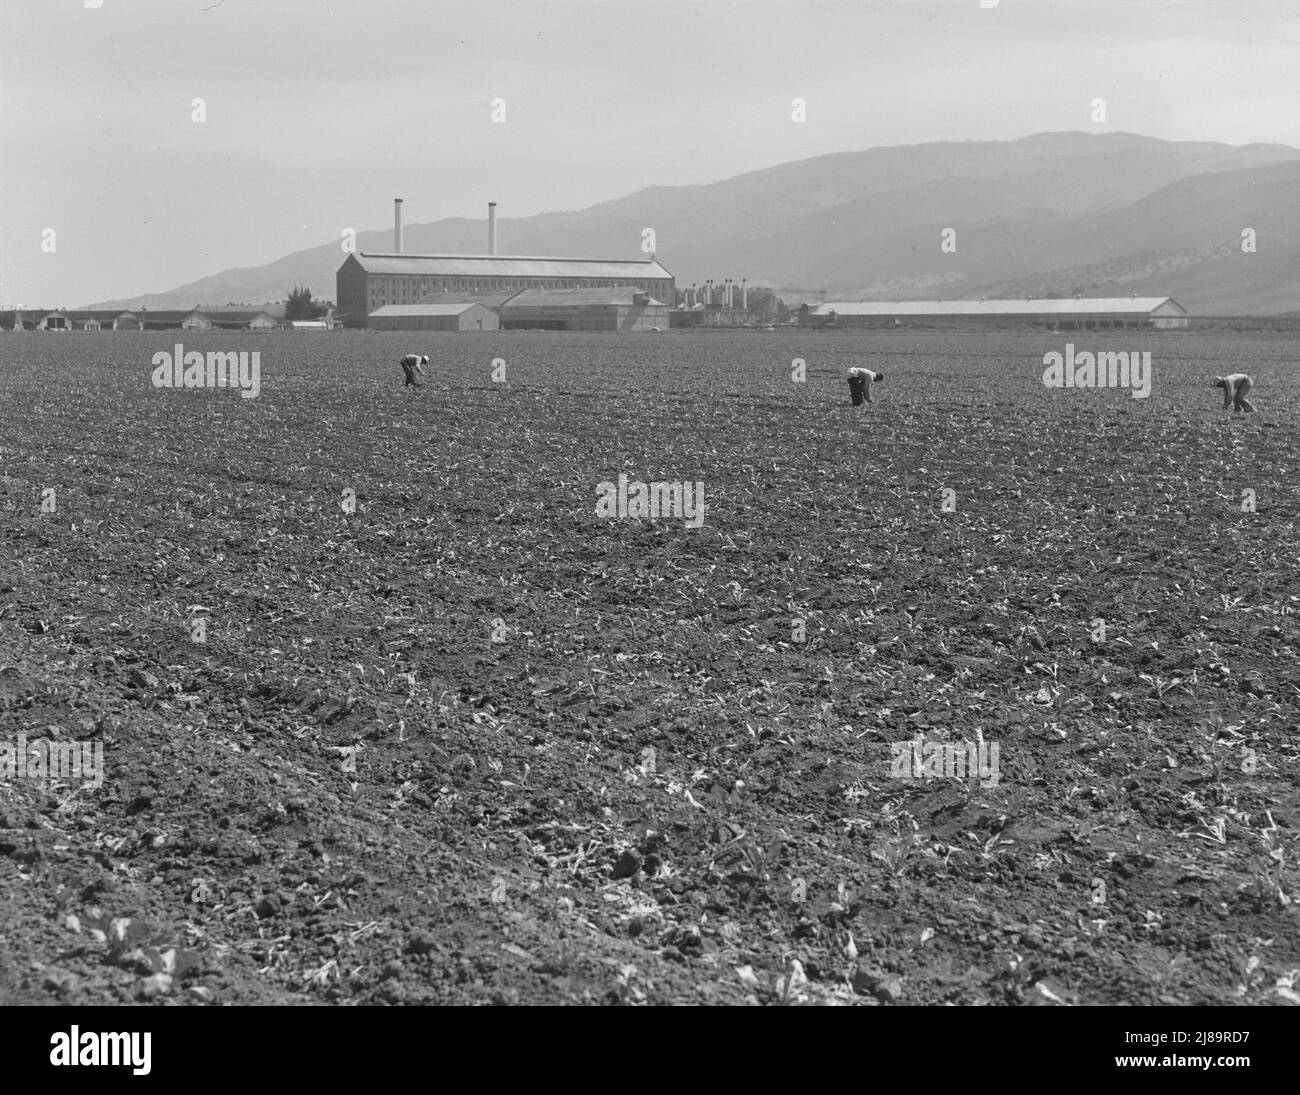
1057 211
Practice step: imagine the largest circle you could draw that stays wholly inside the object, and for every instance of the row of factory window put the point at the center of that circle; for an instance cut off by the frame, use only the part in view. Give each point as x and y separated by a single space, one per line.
410 292
467 284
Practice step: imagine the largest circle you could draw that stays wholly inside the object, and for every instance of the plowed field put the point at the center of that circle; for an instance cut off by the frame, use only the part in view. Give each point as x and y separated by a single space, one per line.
389 715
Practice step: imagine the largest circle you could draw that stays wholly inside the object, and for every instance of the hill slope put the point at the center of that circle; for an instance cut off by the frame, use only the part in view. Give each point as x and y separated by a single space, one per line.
869 223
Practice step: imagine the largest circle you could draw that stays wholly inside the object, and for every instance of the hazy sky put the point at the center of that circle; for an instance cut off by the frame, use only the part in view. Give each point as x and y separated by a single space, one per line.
319 113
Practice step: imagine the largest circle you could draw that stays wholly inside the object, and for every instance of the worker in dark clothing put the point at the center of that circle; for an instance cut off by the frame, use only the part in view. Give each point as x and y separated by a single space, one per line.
860 381
412 364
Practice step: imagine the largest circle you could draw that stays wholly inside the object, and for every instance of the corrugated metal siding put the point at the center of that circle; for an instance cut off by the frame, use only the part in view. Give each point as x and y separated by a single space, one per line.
644 317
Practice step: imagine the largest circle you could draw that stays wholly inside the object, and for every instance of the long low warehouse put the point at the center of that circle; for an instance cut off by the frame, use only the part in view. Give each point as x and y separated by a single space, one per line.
145 319
1066 314
462 316
626 309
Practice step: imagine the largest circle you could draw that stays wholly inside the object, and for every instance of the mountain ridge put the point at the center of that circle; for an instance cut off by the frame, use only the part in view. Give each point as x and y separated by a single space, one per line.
1050 206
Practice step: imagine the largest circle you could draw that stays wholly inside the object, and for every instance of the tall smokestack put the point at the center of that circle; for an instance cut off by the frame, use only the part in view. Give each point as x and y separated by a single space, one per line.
397 226
744 293
492 228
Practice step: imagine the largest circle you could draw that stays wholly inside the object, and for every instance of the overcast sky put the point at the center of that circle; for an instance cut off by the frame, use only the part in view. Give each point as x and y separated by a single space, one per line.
319 113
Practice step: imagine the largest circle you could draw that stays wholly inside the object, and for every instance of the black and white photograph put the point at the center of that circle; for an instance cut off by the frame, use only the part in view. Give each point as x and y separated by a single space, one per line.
779 503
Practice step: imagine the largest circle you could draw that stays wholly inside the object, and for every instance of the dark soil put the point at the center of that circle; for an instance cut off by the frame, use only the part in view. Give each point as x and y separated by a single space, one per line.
473 744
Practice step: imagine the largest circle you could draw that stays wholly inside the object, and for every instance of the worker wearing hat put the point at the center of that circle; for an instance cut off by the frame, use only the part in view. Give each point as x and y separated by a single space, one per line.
860 381
412 364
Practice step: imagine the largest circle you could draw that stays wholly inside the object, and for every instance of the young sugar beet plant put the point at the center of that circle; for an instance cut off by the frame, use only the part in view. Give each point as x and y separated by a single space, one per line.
1266 884
1159 685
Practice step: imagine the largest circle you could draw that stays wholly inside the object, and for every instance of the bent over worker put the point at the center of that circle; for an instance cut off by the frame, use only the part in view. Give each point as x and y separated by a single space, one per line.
860 381
411 364
1236 387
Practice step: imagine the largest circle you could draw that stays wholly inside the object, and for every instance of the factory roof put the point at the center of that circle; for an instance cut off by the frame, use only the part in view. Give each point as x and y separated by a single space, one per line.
165 315
488 300
507 266
558 298
424 309
234 315
1034 307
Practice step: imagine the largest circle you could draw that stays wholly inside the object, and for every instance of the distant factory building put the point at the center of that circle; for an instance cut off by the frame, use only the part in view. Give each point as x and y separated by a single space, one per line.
1066 314
367 282
463 316
584 310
